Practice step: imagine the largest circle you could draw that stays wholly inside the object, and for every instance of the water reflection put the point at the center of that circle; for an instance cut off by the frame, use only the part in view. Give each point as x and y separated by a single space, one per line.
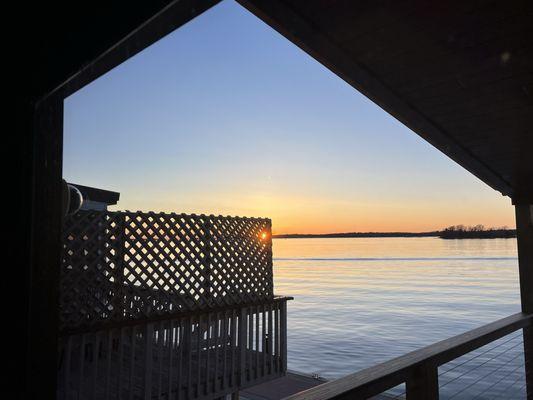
360 301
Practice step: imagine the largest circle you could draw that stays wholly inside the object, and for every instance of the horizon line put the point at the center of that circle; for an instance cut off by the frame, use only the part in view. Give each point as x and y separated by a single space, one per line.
382 234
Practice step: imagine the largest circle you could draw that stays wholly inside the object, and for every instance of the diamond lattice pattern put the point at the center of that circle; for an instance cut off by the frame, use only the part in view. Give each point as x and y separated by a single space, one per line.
125 265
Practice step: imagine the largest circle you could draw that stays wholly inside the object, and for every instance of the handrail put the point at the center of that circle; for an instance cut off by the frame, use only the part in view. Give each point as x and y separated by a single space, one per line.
418 369
202 356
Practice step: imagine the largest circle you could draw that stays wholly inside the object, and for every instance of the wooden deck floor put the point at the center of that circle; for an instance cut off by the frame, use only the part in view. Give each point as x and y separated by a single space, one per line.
285 386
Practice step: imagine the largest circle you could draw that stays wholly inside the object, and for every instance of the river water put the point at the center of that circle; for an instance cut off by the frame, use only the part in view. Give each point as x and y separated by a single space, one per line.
361 301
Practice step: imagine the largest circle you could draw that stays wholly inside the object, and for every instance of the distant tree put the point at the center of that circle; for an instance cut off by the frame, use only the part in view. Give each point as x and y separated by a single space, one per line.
475 232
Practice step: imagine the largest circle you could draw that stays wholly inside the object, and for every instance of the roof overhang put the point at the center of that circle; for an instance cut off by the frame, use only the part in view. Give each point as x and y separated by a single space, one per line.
107 197
458 73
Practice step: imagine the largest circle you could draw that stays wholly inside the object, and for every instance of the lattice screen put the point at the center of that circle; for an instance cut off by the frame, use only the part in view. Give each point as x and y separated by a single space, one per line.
124 265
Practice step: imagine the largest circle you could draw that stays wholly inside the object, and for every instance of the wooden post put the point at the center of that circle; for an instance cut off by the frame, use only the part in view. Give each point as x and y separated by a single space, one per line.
424 384
524 234
42 245
148 361
283 328
243 318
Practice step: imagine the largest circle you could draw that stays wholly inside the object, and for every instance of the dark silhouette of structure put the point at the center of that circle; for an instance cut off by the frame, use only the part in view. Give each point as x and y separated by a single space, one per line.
156 305
458 73
476 232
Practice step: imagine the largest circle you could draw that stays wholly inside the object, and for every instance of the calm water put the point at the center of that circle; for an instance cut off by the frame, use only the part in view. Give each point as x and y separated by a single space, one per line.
361 301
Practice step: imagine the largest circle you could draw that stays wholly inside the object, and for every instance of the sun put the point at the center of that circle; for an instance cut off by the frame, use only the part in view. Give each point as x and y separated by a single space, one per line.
263 235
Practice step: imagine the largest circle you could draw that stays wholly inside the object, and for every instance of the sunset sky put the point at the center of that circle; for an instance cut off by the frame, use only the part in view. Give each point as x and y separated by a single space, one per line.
225 116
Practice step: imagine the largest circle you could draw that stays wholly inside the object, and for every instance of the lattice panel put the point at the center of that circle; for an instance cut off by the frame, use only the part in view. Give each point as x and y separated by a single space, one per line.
123 265
89 283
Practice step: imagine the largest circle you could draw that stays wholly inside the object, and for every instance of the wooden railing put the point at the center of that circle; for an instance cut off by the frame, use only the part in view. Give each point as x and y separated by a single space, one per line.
192 356
418 369
167 306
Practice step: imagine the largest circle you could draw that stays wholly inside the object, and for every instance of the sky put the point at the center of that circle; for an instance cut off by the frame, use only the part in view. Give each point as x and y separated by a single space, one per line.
226 116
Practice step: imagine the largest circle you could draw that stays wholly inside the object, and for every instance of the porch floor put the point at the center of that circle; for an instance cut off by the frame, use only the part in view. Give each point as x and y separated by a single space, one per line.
285 386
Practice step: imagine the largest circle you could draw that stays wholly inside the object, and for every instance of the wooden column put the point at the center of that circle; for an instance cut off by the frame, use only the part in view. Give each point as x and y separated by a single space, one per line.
283 329
424 384
524 231
44 249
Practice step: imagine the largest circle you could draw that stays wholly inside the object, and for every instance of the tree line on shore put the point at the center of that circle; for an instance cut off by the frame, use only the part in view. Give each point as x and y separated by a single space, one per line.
451 232
476 232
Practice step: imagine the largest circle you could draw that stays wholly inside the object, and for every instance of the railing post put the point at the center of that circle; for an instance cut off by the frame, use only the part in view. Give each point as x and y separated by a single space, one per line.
424 383
283 328
243 318
148 361
524 234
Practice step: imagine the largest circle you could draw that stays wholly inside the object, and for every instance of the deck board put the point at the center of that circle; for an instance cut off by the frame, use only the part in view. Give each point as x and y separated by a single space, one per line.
292 383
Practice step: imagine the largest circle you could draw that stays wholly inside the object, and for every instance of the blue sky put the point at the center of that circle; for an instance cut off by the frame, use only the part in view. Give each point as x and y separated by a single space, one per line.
226 116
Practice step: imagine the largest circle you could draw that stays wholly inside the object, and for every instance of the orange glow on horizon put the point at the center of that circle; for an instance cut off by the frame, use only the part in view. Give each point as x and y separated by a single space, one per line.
320 214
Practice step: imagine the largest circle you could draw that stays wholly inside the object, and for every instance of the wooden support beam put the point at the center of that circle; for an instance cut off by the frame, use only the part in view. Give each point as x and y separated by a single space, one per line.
172 16
424 384
524 234
45 250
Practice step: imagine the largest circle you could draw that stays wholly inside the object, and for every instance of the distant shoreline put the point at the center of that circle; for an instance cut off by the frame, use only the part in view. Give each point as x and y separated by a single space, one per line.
354 235
488 234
